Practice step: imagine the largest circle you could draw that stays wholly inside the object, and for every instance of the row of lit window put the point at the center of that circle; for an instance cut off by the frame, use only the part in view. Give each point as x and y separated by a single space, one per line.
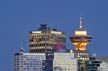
48 47
48 42
41 45
83 54
84 58
43 35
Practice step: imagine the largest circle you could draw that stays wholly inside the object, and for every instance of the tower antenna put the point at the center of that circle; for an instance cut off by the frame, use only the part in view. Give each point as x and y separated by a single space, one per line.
81 22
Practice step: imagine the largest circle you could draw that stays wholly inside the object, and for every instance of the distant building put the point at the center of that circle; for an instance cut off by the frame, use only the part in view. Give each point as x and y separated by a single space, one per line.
89 65
29 61
103 66
102 58
45 62
65 62
45 39
81 39
93 64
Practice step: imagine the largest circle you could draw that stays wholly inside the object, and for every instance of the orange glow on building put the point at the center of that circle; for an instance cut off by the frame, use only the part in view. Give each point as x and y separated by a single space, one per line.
80 40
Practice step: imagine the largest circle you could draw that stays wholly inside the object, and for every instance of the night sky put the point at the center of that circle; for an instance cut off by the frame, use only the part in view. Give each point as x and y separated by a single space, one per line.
18 17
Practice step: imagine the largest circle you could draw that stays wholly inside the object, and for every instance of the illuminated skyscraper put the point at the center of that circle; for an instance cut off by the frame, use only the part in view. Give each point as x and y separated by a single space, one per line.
81 39
45 39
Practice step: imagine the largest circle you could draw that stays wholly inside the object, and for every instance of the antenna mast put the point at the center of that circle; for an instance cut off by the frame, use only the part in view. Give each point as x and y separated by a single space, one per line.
81 22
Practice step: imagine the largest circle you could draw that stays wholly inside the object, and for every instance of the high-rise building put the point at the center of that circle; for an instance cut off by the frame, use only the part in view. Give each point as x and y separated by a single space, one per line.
48 63
92 64
89 65
45 39
81 39
29 61
65 62
45 62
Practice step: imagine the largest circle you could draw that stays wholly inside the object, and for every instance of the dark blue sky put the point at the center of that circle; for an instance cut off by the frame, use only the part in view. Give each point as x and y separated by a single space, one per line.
18 17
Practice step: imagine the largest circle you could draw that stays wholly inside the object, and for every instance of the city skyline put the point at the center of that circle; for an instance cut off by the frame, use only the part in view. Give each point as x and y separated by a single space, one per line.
17 18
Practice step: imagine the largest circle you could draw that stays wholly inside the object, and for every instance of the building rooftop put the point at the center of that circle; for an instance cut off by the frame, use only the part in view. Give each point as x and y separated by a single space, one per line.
102 58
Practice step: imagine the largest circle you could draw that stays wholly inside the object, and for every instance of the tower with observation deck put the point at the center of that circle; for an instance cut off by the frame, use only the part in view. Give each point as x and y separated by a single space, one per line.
80 40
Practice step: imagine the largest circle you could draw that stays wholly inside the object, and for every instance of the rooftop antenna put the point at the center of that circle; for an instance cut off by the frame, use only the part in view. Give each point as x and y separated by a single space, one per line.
21 49
81 22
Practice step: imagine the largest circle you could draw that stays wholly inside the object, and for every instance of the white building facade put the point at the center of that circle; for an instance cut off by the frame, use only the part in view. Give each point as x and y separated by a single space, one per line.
36 62
28 61
65 62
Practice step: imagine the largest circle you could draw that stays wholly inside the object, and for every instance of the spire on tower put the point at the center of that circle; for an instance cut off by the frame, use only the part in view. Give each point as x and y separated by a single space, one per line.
81 22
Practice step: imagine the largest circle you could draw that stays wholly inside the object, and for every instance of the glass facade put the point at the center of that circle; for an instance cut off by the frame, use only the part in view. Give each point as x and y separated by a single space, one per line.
28 61
45 62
